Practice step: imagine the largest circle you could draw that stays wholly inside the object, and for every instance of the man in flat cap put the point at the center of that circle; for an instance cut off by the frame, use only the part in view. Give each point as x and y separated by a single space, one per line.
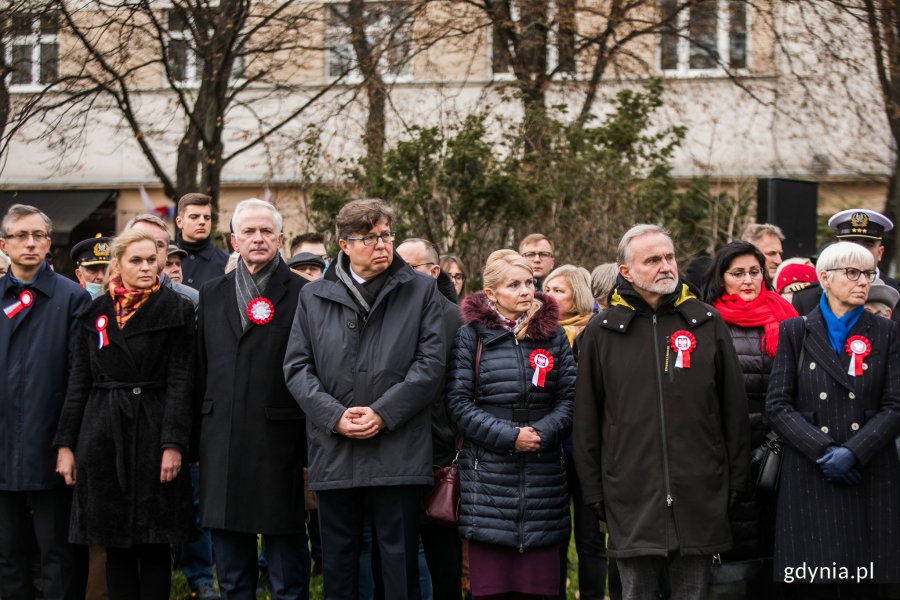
308 265
860 226
882 299
91 258
173 263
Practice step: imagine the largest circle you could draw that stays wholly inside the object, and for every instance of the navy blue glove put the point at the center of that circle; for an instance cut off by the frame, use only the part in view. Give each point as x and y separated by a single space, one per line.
837 462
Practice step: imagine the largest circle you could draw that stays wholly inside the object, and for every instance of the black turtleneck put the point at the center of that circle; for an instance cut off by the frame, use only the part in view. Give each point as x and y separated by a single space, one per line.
193 247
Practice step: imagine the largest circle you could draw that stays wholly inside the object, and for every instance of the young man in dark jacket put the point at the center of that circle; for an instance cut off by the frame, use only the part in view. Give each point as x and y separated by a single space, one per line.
661 454
365 356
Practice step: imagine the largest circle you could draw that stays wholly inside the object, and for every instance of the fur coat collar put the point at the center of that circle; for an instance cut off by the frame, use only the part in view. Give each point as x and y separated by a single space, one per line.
541 326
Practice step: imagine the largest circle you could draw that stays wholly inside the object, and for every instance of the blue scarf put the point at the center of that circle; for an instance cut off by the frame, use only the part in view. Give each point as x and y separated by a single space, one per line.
22 284
838 329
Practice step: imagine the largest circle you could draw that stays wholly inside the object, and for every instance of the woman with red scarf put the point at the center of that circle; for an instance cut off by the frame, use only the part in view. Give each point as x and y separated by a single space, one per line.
737 285
124 429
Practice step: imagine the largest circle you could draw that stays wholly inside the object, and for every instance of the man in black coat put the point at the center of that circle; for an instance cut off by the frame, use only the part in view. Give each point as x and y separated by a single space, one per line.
365 358
37 334
252 440
860 226
204 261
442 544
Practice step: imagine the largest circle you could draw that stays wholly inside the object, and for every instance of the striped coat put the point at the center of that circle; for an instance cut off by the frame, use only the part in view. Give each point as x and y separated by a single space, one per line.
819 522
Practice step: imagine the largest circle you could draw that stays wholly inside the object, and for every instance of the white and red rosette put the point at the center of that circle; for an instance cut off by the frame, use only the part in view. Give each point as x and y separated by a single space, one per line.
260 310
26 299
101 325
541 361
683 342
858 348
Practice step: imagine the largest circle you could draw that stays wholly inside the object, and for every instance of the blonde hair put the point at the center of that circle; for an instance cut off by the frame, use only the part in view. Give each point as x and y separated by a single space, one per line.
498 265
580 281
120 244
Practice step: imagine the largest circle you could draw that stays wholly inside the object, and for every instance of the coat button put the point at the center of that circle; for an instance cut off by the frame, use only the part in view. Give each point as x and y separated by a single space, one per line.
621 327
190 281
605 321
823 396
824 429
865 366
693 320
191 256
351 324
854 426
851 395
136 391
812 366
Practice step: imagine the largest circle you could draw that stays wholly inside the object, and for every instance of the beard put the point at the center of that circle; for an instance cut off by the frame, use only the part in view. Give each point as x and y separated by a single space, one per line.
662 286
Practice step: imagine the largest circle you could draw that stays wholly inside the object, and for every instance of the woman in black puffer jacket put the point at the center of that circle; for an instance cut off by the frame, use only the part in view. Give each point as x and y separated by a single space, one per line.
514 502
738 287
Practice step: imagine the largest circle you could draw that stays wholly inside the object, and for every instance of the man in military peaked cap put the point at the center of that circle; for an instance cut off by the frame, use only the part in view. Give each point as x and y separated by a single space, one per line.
860 226
91 258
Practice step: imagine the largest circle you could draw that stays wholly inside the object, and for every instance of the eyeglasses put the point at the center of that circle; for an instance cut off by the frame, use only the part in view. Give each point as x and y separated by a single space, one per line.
543 254
22 236
424 264
853 274
741 273
458 277
370 240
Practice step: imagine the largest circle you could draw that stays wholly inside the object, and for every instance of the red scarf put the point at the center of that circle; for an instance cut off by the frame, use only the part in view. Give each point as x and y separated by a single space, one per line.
766 310
128 301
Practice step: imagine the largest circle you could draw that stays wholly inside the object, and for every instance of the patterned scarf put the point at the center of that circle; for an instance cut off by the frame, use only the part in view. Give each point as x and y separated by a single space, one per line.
125 301
248 287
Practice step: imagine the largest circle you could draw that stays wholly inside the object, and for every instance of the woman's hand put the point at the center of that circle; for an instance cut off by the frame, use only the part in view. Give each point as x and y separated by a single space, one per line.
171 464
65 464
528 440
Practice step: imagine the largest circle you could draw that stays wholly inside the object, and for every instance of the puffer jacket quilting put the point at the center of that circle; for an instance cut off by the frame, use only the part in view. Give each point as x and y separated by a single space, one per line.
509 498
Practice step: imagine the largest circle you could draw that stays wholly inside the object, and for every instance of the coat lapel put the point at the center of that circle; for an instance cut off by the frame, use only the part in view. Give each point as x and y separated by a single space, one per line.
278 285
226 288
104 306
819 349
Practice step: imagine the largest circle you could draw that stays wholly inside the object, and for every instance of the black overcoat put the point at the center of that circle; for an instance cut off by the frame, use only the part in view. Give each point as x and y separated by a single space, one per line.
252 437
821 522
125 403
35 346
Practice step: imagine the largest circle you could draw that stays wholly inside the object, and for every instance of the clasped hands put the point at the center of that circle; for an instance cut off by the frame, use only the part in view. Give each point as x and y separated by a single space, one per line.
359 422
837 464
528 440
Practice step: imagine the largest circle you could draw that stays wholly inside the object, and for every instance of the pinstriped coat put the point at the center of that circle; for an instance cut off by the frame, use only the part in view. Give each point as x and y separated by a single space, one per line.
820 522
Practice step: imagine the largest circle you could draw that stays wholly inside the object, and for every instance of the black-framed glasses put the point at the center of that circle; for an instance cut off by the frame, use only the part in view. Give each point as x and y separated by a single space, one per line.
543 254
22 236
458 277
741 273
424 264
370 240
852 273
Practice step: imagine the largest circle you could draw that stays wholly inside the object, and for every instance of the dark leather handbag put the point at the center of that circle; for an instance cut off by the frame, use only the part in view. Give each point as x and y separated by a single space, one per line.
772 452
442 500
733 580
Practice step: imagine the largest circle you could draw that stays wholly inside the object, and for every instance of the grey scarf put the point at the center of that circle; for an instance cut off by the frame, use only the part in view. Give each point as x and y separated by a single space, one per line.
344 276
249 286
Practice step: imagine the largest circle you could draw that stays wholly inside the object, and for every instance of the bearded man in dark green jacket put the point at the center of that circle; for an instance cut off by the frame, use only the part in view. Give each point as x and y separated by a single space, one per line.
661 429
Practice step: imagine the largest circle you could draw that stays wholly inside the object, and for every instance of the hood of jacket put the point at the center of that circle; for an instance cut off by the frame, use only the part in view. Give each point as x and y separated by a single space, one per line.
446 287
543 324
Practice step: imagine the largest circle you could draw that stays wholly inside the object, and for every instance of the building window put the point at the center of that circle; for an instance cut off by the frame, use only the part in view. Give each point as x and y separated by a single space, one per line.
33 49
707 35
185 63
561 39
388 32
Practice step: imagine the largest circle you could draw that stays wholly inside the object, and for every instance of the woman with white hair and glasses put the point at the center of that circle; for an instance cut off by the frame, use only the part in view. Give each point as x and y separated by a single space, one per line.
834 398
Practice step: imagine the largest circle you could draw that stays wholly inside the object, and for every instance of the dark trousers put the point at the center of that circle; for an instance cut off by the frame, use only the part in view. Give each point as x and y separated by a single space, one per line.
394 512
238 568
142 572
196 558
443 554
50 509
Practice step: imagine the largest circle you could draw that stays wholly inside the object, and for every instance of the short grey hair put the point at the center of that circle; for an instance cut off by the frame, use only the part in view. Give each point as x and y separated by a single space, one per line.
842 254
623 252
251 203
754 232
20 211
148 218
431 253
603 280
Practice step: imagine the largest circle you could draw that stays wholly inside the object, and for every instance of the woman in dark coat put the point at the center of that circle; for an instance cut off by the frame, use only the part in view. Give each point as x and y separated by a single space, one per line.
127 419
514 507
737 285
834 398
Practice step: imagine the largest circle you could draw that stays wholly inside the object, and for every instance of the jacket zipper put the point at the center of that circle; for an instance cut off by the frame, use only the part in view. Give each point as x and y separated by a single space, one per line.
521 518
662 417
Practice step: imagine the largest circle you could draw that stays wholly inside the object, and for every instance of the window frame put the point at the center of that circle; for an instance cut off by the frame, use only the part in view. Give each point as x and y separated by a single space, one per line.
334 21
36 39
722 67
193 63
553 43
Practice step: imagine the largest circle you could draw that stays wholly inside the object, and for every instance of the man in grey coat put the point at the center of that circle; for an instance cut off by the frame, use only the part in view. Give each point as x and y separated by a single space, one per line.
365 354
